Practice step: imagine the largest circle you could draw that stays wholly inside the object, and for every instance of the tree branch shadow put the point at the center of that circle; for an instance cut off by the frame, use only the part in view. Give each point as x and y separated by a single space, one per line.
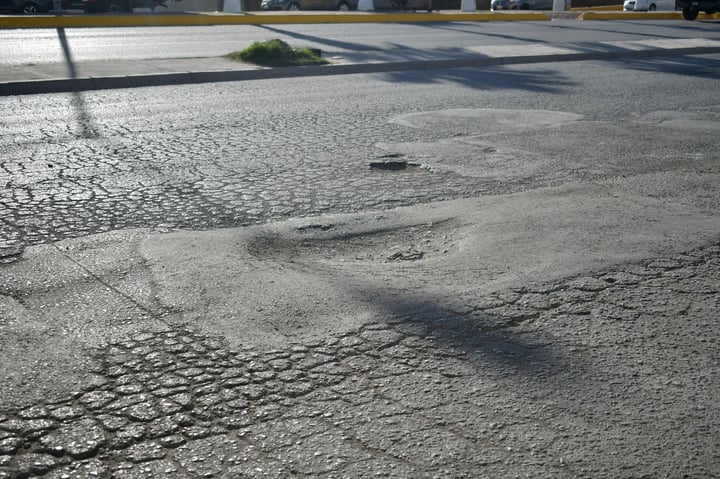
695 66
543 80
484 338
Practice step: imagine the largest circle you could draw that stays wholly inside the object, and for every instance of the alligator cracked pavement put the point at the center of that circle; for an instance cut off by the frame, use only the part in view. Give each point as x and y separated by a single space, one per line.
531 334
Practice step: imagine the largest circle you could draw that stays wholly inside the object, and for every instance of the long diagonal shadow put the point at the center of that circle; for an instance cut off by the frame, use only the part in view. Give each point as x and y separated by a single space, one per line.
84 119
313 38
485 338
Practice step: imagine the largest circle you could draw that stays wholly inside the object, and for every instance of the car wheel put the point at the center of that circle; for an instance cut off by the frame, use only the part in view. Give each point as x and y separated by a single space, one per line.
652 7
293 6
343 7
690 13
525 6
30 8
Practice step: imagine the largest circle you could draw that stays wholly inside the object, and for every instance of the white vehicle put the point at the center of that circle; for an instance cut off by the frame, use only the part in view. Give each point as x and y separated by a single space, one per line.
648 5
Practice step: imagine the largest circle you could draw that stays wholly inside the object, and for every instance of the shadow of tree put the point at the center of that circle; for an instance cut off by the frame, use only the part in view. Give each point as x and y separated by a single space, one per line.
603 28
701 67
458 27
488 78
483 338
351 46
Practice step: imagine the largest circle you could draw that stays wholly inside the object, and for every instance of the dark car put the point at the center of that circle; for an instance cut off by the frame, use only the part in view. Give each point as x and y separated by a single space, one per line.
109 6
309 5
26 7
691 8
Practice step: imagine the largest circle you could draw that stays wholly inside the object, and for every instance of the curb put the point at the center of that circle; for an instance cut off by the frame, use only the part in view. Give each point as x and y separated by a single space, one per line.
256 18
136 81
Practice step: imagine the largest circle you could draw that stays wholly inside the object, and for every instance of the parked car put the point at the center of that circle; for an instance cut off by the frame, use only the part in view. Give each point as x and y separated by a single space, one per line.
648 5
691 8
343 5
531 4
500 5
411 5
110 6
26 7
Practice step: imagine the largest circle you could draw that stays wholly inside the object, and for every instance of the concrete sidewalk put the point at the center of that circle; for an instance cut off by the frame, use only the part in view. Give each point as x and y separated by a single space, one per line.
84 76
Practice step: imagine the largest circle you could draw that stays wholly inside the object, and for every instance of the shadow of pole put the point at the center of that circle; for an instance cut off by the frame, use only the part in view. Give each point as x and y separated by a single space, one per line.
84 119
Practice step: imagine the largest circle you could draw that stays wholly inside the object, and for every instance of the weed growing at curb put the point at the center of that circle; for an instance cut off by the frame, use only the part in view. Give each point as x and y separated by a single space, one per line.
277 53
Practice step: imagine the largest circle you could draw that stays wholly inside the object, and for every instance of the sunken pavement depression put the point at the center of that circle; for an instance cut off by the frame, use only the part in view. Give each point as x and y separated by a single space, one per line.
563 330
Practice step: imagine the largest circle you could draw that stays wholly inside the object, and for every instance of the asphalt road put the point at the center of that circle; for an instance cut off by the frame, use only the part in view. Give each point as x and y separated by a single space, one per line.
21 47
501 272
236 154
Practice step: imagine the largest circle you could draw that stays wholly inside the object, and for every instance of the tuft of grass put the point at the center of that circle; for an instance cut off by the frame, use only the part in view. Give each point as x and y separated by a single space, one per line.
277 53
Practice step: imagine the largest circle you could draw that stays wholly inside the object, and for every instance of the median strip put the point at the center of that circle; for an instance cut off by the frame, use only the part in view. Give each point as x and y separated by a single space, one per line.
476 58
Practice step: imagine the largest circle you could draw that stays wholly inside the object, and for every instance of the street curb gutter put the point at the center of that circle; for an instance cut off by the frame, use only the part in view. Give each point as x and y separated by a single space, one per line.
67 85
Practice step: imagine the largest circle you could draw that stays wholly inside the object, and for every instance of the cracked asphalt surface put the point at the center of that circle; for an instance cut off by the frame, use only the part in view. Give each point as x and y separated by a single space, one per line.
212 296
426 396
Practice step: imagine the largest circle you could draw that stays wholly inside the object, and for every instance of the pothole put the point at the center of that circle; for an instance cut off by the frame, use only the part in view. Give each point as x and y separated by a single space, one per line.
315 226
411 254
394 162
332 243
